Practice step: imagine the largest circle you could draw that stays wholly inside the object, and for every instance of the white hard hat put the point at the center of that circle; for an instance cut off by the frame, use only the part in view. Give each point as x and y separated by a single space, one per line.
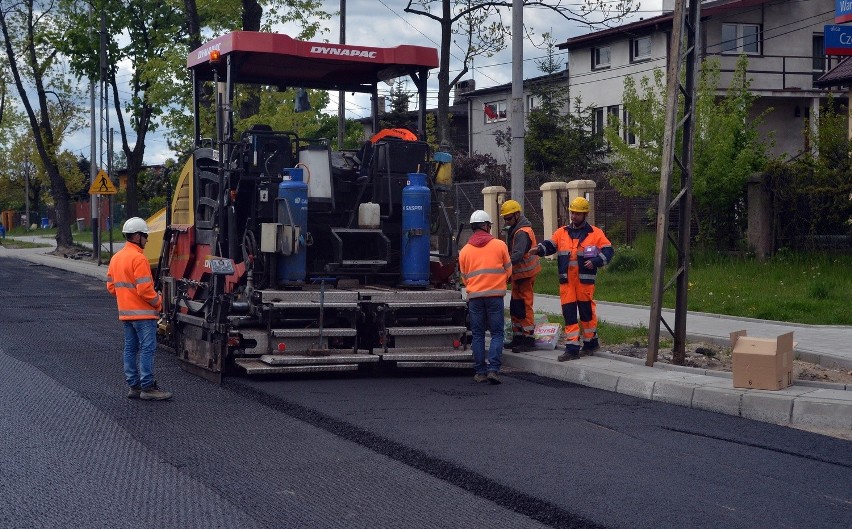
479 216
135 225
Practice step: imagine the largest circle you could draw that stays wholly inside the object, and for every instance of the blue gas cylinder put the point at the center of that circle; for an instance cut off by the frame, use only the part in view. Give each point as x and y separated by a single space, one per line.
416 202
292 212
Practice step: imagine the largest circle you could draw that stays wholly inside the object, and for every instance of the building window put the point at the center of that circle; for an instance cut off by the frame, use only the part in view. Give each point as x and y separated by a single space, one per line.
640 49
495 111
600 57
533 102
598 122
819 53
612 115
629 135
741 38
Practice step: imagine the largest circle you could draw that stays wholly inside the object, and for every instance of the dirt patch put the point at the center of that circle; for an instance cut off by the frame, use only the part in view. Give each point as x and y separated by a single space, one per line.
73 252
718 358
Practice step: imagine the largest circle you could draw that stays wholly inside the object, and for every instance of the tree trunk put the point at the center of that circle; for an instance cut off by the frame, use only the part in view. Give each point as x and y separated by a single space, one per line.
250 104
193 25
135 157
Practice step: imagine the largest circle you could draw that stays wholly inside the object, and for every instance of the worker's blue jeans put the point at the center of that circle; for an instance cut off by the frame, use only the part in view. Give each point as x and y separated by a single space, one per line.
486 313
140 342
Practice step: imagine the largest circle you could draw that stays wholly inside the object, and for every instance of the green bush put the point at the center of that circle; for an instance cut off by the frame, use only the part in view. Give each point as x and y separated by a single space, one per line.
626 259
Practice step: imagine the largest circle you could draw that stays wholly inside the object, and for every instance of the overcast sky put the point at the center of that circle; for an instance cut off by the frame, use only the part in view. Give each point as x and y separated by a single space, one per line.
384 23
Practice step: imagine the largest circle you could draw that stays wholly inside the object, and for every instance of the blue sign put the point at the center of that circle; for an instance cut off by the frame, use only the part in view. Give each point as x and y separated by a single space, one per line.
842 11
838 40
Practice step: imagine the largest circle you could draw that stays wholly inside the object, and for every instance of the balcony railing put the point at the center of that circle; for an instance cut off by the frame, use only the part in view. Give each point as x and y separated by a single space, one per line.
779 72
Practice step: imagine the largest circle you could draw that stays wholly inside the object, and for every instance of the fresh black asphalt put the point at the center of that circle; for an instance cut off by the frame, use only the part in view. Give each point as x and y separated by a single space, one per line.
390 449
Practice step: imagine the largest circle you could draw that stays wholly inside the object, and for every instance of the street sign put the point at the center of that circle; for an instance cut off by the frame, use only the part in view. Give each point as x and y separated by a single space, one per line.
842 11
102 185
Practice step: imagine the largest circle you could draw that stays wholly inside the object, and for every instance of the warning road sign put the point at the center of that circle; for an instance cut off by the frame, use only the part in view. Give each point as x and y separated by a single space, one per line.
102 185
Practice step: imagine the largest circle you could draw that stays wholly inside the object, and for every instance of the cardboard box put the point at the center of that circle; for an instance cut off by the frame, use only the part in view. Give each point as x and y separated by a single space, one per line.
762 363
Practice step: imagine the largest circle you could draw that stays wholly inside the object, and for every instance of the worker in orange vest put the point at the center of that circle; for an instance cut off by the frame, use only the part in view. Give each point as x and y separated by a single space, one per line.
485 266
581 249
525 267
129 280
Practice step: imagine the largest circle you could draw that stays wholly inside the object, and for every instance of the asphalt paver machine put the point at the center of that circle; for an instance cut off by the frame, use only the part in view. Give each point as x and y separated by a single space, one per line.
280 255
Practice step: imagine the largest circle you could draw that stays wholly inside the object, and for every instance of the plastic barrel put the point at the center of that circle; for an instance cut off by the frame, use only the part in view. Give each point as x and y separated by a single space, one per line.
416 202
293 211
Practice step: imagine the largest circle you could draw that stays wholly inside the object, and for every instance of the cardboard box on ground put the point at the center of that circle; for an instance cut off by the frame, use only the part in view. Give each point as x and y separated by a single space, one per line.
762 363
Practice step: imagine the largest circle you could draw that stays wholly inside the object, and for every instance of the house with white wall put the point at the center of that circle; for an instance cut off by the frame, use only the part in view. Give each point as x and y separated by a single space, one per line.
489 111
783 40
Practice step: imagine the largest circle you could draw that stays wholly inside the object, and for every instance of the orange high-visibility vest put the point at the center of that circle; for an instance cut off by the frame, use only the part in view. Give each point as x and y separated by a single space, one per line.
569 253
485 269
529 266
129 280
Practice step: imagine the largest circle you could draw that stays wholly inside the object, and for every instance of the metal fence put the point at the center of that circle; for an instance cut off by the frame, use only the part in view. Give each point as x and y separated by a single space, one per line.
467 198
622 218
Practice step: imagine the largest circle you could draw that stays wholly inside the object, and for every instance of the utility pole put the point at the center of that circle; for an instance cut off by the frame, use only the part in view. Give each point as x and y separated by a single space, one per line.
27 201
341 96
685 26
109 174
93 170
96 228
518 100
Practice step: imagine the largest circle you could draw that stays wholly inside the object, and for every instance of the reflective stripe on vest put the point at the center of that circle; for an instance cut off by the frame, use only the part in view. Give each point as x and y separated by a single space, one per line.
529 266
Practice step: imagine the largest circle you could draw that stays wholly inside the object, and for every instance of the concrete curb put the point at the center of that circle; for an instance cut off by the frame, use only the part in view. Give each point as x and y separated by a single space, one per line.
826 345
799 405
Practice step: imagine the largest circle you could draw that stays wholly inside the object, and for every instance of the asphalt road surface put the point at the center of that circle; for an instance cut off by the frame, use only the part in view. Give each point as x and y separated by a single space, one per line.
396 450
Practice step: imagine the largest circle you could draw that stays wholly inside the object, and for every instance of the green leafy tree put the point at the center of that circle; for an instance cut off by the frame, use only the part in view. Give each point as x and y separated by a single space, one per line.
730 150
638 168
398 116
30 31
812 192
140 34
727 148
353 133
559 145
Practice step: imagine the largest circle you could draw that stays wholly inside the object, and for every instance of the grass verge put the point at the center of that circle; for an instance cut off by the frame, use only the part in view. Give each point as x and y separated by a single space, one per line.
794 287
13 244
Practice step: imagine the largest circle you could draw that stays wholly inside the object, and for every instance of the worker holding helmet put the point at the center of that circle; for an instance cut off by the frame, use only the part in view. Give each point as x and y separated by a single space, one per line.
581 249
485 267
525 267
129 280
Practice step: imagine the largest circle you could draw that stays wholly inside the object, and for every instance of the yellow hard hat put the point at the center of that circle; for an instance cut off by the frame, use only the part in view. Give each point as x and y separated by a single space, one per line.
509 207
579 205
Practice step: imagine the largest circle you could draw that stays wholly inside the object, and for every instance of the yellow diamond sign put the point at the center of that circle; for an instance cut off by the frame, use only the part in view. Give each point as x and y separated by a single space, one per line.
102 185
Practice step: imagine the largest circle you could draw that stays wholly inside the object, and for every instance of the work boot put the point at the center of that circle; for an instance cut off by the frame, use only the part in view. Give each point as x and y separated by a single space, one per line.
571 353
134 391
493 377
153 392
524 344
479 377
591 346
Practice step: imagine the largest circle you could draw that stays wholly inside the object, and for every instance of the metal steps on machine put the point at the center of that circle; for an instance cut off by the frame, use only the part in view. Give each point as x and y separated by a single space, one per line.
417 328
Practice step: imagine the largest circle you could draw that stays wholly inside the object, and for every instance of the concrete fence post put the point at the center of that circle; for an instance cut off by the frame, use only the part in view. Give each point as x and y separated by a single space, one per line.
585 189
759 230
550 192
493 197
